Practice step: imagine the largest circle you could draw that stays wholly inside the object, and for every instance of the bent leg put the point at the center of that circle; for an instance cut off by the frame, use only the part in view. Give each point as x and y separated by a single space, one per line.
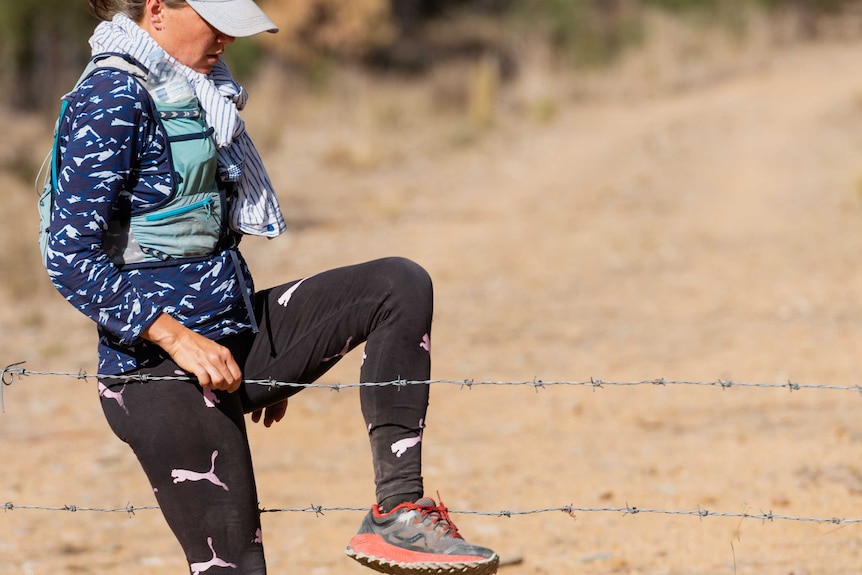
307 326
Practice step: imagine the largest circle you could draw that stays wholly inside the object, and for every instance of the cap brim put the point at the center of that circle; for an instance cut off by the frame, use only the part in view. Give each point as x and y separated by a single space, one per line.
236 18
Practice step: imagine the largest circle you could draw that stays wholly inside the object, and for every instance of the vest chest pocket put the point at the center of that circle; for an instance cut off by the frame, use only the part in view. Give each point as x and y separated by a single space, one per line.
189 226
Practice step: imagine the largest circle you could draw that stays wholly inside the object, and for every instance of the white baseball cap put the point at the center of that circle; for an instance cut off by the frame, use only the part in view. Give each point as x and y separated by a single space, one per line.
236 18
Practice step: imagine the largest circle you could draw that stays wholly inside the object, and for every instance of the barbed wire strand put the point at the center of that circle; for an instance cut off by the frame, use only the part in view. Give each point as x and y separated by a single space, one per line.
569 510
13 372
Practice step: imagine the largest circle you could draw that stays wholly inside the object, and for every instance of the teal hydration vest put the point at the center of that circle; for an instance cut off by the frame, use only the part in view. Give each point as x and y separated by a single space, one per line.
192 223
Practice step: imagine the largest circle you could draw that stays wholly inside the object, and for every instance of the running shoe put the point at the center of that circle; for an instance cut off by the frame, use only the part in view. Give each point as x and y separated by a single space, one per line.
418 538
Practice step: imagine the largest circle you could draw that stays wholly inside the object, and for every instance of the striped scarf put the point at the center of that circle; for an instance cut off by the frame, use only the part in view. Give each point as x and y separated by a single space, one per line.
257 212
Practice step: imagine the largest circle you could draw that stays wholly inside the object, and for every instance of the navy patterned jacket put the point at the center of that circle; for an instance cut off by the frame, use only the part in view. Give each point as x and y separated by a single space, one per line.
112 145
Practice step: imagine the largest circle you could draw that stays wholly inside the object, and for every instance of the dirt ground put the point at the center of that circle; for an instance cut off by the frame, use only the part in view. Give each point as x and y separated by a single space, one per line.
701 229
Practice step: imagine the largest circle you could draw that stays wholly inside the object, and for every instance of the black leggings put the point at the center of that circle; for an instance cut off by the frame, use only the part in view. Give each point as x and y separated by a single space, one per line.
192 442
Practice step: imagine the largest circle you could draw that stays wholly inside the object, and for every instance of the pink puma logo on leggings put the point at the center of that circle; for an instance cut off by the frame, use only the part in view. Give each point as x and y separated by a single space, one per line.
107 393
402 445
198 568
180 475
344 351
210 398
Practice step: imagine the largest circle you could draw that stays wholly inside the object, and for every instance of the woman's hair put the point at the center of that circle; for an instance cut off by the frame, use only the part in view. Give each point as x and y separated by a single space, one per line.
134 9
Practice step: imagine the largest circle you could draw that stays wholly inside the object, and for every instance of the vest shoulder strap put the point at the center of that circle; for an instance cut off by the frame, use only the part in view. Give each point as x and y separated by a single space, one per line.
115 61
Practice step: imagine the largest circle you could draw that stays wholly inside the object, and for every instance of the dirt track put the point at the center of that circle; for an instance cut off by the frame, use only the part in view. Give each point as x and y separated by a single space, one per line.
712 232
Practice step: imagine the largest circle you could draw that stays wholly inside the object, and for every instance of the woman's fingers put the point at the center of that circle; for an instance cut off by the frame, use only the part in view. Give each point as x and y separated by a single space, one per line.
215 364
215 367
272 414
275 413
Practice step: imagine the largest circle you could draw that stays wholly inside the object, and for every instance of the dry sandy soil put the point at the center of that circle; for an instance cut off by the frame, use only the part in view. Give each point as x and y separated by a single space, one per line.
689 227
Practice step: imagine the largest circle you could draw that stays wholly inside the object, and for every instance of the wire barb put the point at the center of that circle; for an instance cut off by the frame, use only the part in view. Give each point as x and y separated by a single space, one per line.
7 378
11 370
537 384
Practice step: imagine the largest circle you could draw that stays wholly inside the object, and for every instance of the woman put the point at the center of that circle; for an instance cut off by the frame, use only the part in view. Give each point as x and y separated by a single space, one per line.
152 195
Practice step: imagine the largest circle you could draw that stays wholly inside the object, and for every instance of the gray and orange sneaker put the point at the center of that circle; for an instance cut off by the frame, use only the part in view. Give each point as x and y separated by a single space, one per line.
418 538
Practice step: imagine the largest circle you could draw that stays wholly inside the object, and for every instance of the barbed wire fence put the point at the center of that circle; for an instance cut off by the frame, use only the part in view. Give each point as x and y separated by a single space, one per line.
16 372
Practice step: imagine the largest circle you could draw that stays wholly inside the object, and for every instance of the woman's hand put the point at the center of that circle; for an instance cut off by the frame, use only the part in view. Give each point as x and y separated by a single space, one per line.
274 413
211 363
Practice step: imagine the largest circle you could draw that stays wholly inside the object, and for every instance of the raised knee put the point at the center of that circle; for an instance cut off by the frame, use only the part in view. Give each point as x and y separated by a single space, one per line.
410 275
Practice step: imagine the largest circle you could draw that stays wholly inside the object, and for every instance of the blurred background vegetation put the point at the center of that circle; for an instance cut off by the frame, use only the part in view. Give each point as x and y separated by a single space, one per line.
44 44
361 84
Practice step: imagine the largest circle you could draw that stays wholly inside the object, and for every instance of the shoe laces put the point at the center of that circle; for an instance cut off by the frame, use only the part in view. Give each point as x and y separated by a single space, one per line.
438 514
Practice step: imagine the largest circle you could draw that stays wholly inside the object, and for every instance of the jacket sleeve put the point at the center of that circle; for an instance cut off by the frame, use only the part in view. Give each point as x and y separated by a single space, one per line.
105 135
